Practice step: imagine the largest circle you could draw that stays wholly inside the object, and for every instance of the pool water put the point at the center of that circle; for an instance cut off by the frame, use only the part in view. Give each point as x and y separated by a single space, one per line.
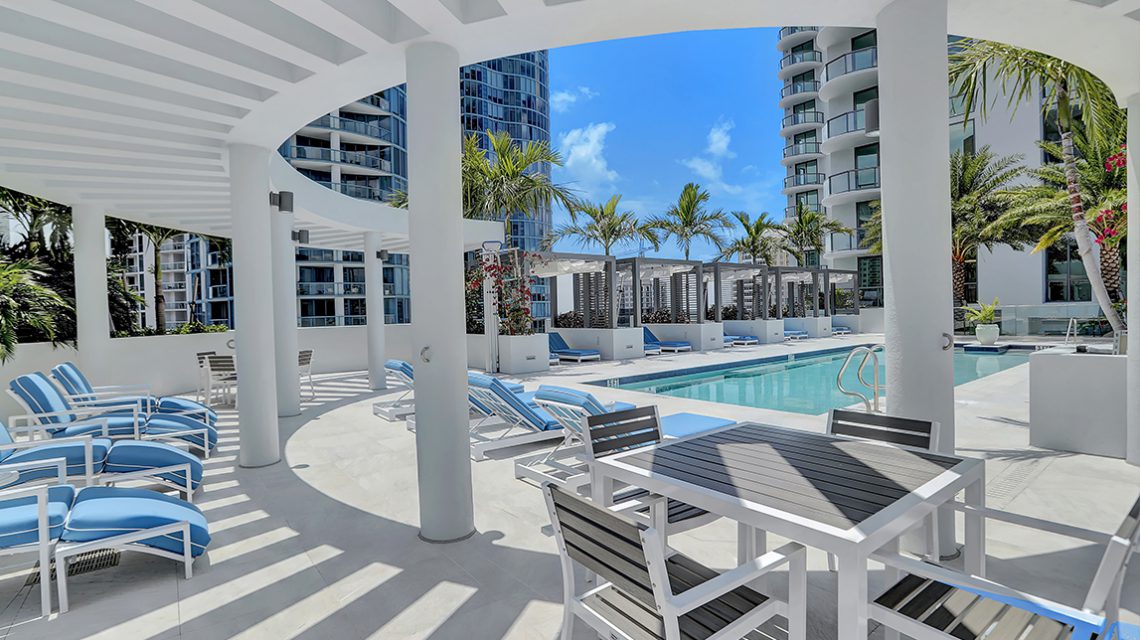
805 384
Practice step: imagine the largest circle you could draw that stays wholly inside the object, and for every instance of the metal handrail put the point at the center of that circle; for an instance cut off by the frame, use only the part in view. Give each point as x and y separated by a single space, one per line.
869 355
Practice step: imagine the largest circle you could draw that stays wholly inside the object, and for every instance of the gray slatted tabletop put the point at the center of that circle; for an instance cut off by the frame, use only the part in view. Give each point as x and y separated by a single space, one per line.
845 496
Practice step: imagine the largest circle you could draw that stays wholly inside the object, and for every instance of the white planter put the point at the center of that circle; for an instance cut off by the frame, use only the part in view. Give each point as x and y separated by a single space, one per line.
987 334
816 327
1077 402
477 344
524 354
622 343
847 320
768 331
704 336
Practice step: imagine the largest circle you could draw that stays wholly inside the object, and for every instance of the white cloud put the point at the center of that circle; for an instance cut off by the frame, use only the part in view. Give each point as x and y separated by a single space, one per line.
584 150
709 166
561 101
719 138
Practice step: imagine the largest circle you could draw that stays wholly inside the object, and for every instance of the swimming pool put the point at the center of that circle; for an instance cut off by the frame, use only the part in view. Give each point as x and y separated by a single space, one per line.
804 383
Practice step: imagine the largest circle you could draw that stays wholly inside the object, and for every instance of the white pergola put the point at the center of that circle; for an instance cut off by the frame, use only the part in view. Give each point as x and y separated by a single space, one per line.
169 112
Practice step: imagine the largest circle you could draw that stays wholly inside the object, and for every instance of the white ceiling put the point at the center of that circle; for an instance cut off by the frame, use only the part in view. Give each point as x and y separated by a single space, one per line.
131 103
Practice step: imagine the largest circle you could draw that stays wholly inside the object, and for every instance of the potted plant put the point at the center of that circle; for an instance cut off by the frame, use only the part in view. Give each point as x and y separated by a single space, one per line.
983 318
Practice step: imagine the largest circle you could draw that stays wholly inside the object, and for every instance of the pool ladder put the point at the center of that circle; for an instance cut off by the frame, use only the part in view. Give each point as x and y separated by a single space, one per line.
870 354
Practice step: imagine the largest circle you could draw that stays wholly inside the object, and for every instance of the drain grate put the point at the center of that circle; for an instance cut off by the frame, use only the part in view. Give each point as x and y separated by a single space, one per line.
83 563
1012 481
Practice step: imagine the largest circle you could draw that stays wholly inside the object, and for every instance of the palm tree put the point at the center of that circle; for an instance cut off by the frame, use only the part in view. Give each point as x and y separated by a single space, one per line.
688 219
1045 208
25 306
45 224
1024 75
505 180
157 236
757 243
605 226
806 233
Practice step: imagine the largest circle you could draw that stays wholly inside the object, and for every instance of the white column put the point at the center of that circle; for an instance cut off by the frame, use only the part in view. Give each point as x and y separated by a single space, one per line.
92 312
438 334
915 152
374 307
253 305
1133 381
285 313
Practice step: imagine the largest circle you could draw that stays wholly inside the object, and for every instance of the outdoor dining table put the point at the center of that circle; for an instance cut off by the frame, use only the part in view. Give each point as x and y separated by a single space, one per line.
847 497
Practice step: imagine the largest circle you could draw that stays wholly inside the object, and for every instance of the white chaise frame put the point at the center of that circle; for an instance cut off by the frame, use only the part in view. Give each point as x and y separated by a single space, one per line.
518 431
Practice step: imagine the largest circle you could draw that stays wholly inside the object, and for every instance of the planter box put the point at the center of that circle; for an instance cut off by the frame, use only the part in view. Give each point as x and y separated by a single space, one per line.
850 321
769 331
615 344
477 345
524 354
704 336
1077 402
816 327
872 320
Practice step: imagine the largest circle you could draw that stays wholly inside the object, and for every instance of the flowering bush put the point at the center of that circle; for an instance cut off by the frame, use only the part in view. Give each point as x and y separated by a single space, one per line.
512 295
1111 224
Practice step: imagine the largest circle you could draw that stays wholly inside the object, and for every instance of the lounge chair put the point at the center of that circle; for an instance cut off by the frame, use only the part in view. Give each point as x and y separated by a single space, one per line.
1013 613
403 405
736 341
672 346
790 334
524 421
651 349
840 331
641 585
47 407
480 415
81 392
558 347
305 369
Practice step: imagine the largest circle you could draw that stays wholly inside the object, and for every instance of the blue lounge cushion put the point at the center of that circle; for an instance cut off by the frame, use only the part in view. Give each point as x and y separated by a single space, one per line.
118 424
127 456
104 512
400 366
581 399
19 517
38 393
174 404
578 353
71 378
650 339
515 387
168 423
72 452
522 405
557 343
794 332
680 425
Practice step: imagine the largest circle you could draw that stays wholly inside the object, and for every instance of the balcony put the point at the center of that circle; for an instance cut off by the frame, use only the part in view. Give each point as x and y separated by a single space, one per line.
793 92
357 190
803 182
797 122
331 321
845 130
330 288
173 266
174 286
837 242
174 246
374 100
798 62
792 36
801 151
849 186
793 210
371 161
353 128
849 72
177 306
219 291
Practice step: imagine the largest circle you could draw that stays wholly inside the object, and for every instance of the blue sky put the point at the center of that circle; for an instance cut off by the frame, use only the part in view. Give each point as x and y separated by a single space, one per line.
641 117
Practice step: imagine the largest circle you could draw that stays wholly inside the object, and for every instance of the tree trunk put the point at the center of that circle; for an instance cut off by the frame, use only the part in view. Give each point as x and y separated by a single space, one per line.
958 273
159 296
1083 236
1110 271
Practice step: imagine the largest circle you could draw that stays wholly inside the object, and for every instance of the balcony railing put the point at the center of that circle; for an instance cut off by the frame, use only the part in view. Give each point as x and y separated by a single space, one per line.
376 101
173 266
339 156
331 321
800 149
854 180
846 123
330 288
847 241
794 209
854 61
174 286
357 190
957 106
174 246
791 31
804 86
352 126
797 57
219 291
804 117
177 306
803 179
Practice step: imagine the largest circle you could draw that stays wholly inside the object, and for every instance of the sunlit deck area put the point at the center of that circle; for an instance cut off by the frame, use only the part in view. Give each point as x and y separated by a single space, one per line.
324 544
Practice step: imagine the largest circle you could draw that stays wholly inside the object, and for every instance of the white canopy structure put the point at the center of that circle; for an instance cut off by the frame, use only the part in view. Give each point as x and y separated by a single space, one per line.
170 111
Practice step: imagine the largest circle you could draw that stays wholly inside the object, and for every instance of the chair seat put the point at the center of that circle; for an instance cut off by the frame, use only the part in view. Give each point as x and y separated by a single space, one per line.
73 452
577 352
680 425
959 613
678 511
172 423
173 404
118 425
675 344
19 516
105 512
640 620
126 456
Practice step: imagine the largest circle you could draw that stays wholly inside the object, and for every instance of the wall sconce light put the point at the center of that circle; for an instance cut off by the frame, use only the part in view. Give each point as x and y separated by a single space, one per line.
382 255
301 236
283 200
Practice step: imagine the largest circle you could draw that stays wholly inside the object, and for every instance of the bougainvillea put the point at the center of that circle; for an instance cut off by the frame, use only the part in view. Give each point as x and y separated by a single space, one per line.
1110 225
512 294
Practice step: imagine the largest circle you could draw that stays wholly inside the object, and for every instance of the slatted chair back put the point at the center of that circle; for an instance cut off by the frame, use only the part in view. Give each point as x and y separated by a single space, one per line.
203 357
904 432
618 431
568 406
1104 593
305 358
494 395
221 365
603 542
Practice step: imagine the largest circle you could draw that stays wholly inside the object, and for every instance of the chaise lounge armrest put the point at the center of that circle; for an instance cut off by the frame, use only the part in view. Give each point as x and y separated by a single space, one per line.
60 465
156 472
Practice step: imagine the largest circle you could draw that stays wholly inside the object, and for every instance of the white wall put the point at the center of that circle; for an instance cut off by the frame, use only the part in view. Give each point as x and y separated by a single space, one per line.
1014 277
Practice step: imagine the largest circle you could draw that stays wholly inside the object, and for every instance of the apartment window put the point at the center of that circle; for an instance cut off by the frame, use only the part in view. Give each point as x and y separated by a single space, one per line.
864 40
870 270
804 168
804 107
811 258
1065 276
807 136
800 48
866 166
807 76
860 98
962 137
316 274
808 198
864 211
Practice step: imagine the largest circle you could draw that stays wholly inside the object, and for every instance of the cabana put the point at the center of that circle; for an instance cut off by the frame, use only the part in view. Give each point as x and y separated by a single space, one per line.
740 300
592 324
803 309
667 297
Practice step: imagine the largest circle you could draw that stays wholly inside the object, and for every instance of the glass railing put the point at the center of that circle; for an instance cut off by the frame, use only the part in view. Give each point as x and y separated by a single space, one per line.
794 209
177 306
791 31
357 190
358 158
957 106
376 101
352 126
331 321
800 149
797 57
854 180
846 241
804 117
176 246
174 286
173 266
330 288
805 86
803 179
846 123
854 61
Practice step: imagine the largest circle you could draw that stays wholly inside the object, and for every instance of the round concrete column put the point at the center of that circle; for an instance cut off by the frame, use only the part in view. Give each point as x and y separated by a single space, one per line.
92 311
915 173
285 313
374 307
1133 381
438 335
253 305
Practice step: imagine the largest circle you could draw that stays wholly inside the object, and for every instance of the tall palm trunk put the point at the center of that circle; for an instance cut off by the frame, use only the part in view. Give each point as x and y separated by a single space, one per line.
958 273
1110 271
159 295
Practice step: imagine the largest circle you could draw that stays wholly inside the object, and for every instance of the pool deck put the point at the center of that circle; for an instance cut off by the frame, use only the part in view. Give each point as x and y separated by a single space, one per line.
323 544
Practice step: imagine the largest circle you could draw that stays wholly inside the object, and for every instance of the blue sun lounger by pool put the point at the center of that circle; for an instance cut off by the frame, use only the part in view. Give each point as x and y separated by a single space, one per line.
523 421
733 341
80 391
790 334
558 347
673 346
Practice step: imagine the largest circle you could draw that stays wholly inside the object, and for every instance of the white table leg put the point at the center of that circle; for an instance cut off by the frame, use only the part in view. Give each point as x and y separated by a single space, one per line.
891 576
851 593
975 551
745 543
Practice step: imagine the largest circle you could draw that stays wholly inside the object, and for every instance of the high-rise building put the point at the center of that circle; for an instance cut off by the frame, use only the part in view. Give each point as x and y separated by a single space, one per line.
829 75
